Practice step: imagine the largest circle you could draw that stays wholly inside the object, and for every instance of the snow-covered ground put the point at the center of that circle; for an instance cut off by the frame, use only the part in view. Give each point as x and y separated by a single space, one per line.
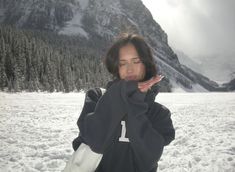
36 131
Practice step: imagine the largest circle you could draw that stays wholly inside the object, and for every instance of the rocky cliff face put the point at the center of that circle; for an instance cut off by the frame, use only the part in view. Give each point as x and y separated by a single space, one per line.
106 19
230 86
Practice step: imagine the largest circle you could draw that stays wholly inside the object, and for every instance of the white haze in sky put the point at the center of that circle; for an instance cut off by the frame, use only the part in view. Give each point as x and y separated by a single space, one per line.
199 28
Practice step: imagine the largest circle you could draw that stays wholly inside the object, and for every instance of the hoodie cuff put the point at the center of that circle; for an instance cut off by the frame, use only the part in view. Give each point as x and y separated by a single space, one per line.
133 91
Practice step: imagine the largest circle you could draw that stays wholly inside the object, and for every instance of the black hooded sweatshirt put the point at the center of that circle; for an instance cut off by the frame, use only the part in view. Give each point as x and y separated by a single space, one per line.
126 126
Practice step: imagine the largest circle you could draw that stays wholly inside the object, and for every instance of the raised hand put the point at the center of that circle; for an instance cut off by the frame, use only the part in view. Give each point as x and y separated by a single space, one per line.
146 85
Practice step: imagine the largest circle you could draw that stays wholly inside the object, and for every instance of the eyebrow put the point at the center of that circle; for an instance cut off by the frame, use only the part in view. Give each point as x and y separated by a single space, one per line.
131 59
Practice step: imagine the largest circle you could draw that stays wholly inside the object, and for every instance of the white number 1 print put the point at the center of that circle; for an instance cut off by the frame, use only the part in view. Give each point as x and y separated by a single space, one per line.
123 135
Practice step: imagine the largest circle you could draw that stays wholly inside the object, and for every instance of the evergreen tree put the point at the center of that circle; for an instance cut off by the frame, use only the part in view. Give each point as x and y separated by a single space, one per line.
3 77
9 69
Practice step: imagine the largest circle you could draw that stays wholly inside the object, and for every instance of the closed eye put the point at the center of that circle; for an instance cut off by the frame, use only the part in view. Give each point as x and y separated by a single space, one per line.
122 64
138 61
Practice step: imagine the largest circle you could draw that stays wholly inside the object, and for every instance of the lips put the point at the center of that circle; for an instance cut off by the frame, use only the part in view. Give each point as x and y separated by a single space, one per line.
130 78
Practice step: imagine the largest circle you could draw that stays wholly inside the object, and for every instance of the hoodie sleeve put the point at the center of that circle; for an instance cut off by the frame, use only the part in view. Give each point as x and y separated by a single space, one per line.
147 138
163 123
98 123
91 98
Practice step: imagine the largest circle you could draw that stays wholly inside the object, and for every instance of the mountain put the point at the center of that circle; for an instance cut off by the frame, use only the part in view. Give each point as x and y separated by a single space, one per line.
230 86
216 69
187 61
96 21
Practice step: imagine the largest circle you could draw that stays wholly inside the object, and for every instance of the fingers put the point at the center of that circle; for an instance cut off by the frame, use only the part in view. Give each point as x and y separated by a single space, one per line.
156 79
148 81
145 86
143 89
152 81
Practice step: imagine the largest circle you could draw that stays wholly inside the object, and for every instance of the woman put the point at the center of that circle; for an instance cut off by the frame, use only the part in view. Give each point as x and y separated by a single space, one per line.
124 125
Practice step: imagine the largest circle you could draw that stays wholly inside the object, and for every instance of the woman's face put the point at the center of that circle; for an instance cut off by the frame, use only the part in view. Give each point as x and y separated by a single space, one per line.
130 65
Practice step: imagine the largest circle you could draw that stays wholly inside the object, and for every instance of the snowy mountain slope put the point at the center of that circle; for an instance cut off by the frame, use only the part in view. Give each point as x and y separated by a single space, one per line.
217 70
104 19
187 61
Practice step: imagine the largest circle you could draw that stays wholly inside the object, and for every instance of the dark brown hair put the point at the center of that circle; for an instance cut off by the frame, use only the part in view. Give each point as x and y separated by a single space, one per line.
111 59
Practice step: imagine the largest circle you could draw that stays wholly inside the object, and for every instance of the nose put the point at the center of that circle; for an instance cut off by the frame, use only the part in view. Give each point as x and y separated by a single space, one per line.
129 68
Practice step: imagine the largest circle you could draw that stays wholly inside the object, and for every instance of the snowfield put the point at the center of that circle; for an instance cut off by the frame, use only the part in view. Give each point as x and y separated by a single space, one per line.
36 131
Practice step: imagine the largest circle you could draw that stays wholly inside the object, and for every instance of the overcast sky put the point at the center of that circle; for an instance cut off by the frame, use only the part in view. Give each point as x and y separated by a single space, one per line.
197 27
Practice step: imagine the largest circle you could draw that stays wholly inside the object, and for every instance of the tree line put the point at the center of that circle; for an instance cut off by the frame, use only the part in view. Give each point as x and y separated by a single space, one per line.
37 61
